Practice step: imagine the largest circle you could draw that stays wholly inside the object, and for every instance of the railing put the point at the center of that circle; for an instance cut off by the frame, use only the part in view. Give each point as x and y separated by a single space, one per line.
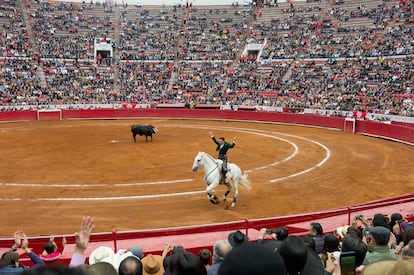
204 236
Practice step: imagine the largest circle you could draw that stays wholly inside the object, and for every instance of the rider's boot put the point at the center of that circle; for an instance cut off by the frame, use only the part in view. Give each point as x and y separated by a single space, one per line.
223 177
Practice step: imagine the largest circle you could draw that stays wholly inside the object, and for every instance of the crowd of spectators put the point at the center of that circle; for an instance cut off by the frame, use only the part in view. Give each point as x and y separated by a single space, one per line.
313 54
380 245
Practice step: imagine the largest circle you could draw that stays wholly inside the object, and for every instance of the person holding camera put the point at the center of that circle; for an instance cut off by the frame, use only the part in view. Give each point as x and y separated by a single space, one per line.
272 237
377 239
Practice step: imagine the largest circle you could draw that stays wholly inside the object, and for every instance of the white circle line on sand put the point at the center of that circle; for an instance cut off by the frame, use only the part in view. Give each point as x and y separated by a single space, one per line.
92 185
122 197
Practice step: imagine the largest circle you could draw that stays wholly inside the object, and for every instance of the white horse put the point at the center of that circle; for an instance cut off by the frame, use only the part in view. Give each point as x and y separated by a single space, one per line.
212 176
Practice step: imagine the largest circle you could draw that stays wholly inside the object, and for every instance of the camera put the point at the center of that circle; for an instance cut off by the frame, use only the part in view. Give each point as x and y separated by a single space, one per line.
358 217
336 255
269 231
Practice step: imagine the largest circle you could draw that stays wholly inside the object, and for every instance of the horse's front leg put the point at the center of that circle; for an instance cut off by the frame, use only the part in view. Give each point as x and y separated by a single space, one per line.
213 198
236 193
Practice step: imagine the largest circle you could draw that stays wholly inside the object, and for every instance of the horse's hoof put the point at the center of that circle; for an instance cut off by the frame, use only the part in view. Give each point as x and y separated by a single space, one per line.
214 201
232 206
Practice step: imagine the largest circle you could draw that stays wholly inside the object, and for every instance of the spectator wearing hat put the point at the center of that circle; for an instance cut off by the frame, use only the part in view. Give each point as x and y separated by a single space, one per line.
377 239
187 263
137 251
383 220
237 238
152 265
220 249
103 254
300 258
294 253
252 258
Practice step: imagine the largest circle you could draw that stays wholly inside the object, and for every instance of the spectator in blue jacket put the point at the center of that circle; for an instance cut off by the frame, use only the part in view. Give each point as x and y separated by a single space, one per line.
9 263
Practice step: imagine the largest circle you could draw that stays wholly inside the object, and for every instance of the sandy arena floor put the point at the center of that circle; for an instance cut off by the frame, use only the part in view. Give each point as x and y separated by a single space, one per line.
54 172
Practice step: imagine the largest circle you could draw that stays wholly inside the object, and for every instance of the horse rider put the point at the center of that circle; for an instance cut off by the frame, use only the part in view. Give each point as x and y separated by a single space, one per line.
222 147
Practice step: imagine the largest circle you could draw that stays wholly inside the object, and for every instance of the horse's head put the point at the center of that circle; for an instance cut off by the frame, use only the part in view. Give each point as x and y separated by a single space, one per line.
197 161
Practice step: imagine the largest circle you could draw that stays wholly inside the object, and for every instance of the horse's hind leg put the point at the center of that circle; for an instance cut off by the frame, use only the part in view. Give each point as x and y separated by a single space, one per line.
233 203
227 191
236 193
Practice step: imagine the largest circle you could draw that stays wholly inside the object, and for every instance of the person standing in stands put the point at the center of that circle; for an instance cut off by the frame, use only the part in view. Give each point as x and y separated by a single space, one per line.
222 147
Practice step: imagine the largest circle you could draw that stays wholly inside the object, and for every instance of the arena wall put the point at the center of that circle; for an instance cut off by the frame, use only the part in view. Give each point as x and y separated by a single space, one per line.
398 132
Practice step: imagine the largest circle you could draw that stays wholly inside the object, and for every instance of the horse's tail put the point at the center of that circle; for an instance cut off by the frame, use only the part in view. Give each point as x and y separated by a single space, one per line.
245 182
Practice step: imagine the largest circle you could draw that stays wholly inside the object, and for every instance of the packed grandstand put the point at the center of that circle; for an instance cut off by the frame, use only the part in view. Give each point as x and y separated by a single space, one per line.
340 58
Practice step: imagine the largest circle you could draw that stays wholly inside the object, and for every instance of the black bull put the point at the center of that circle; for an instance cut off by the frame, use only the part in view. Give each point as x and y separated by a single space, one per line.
143 130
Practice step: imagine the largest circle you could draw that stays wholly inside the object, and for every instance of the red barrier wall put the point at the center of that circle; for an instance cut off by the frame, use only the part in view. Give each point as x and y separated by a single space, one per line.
18 115
310 120
390 131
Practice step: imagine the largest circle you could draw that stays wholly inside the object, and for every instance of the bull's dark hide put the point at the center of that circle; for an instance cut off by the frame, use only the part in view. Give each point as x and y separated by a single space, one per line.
143 130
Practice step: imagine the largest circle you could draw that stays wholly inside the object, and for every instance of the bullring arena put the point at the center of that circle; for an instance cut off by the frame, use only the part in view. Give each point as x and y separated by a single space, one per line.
54 172
318 93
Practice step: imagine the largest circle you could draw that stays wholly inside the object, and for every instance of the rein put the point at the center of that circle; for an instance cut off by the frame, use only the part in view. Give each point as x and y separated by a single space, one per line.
209 173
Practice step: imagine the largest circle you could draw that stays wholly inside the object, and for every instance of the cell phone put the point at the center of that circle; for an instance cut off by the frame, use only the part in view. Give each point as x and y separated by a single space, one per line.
347 262
269 231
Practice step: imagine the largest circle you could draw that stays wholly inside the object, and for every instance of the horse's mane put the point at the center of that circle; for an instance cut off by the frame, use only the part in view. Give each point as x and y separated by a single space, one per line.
209 156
